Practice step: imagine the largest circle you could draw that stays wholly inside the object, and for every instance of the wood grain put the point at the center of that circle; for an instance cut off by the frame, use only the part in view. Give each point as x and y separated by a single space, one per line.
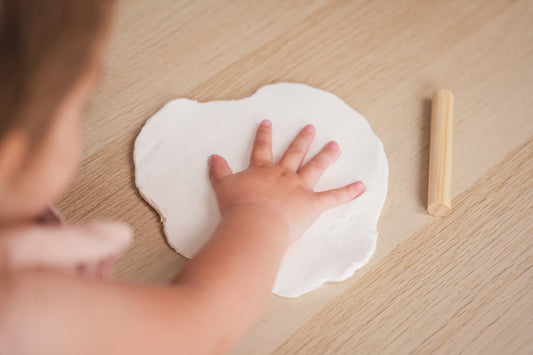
445 287
457 284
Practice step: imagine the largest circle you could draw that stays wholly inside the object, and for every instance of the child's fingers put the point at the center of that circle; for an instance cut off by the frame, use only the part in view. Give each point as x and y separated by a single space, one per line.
262 149
105 269
101 269
218 168
91 270
313 170
332 198
295 153
65 247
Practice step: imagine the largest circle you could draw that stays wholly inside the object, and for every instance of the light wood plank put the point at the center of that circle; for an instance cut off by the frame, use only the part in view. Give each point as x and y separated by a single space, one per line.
452 287
383 58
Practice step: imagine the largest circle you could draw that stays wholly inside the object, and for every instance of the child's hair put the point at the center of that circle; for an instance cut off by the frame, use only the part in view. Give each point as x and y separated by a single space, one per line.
45 47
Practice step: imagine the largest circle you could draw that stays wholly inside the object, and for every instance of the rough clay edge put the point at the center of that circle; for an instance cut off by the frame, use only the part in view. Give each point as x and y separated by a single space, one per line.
349 272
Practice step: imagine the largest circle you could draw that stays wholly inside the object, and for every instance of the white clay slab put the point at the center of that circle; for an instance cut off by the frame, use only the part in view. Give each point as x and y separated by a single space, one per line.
171 173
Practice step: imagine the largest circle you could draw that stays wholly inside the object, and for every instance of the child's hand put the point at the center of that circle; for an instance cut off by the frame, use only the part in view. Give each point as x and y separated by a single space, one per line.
286 188
87 250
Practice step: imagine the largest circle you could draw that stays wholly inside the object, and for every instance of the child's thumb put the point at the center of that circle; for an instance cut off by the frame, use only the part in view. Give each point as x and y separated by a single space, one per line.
218 169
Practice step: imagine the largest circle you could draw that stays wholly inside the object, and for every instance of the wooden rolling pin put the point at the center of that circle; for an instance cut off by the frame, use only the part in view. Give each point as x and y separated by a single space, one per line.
440 154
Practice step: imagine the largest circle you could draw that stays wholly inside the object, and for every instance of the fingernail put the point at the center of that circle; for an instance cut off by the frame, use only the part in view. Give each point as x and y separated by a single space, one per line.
359 187
210 160
334 145
266 123
310 128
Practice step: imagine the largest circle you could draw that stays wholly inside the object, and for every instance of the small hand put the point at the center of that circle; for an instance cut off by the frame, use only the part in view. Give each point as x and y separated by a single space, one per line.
285 188
88 250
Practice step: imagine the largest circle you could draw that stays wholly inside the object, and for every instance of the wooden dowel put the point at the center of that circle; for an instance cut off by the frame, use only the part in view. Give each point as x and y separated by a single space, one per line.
440 154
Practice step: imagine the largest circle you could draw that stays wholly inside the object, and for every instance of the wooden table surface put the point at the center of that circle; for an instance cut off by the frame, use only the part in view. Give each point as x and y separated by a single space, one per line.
458 284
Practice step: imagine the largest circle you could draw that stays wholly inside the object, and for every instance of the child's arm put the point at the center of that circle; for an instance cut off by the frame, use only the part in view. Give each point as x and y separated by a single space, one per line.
263 209
217 295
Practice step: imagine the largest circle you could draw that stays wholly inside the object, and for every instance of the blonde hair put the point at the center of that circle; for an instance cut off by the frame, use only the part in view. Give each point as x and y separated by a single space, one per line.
45 47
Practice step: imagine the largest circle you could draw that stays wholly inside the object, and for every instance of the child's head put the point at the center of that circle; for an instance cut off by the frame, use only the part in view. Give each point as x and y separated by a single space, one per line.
50 58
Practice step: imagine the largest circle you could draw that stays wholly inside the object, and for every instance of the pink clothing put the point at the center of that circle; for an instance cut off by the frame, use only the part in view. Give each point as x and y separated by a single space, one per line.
50 244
